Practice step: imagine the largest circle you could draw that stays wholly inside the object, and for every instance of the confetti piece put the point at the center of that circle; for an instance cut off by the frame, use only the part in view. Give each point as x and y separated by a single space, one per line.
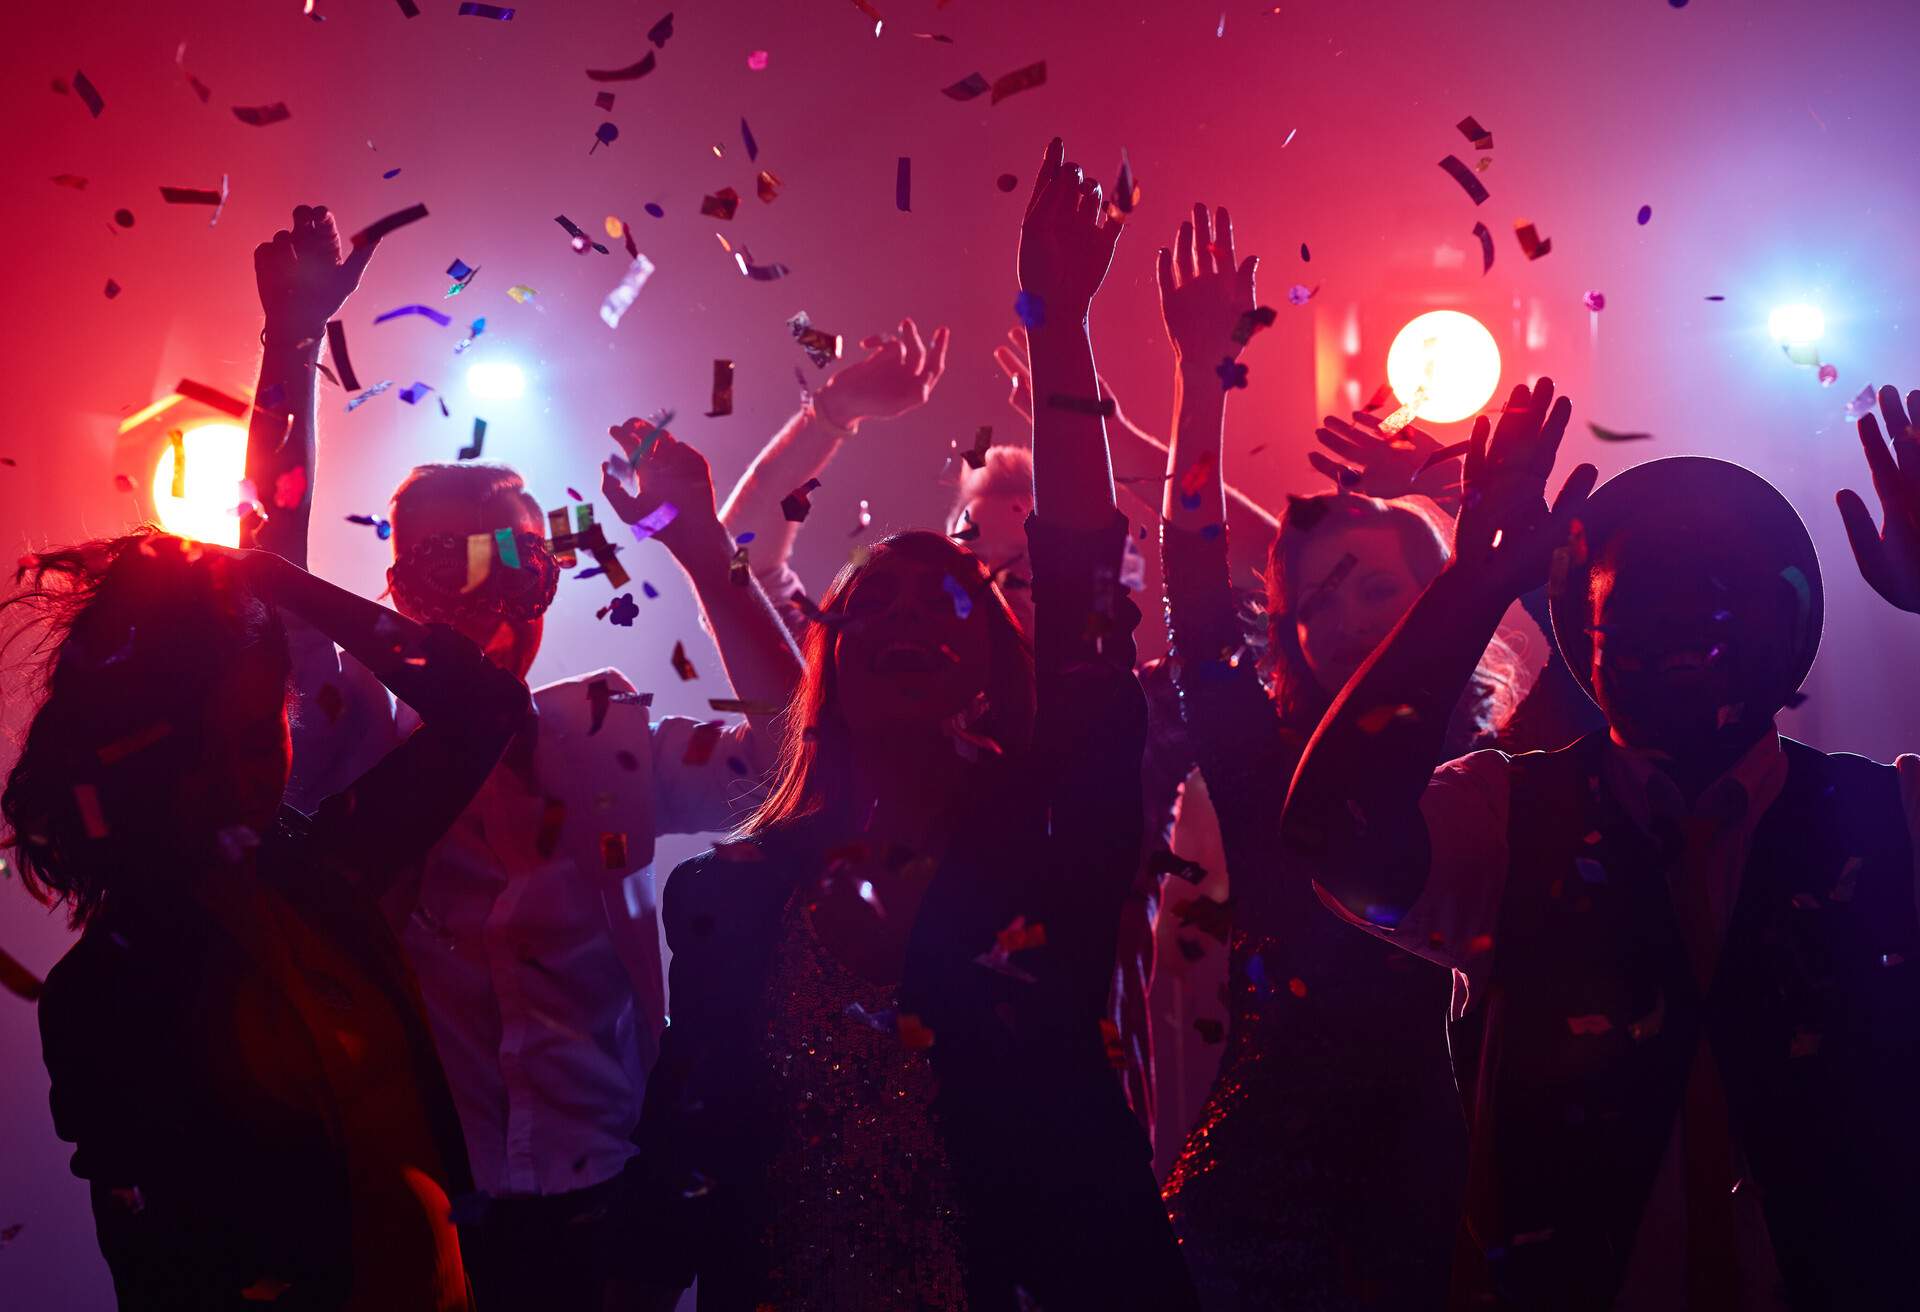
967 88
795 505
1102 407
521 293
650 591
623 610
1829 375
1300 293
213 397
628 74
721 204
1716 298
1609 435
472 450
746 136
661 32
1006 182
70 180
934 36
976 458
604 135
962 603
84 89
1595 301
722 389
425 312
474 329
1645 216
1021 79
123 217
462 274
1530 241
654 520
862 522
756 60
1030 309
177 440
113 289
189 196
682 666
613 851
821 347
654 210
1261 316
621 298
903 185
1232 374
368 395
1463 175
768 187
409 9
468 9
1861 405
760 272
1470 129
260 116
398 219
1486 247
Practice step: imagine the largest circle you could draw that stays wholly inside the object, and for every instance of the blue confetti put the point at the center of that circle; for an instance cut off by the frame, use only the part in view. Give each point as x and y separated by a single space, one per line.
1030 309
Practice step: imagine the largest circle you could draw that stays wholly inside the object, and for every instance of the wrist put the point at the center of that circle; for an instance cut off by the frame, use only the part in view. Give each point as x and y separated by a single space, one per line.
1474 589
700 545
291 340
824 409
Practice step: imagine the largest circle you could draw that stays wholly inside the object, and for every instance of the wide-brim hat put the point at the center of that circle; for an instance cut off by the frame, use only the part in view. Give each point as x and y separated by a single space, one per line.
1700 499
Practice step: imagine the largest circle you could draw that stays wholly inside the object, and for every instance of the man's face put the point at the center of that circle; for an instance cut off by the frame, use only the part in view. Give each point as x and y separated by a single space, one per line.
1002 547
1688 651
511 645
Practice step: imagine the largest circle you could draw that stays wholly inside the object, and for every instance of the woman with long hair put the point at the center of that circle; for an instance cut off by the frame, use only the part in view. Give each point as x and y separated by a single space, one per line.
886 1082
235 1046
1326 1166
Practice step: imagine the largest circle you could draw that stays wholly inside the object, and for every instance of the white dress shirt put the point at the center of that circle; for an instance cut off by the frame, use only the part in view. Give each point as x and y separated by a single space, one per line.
541 973
1466 806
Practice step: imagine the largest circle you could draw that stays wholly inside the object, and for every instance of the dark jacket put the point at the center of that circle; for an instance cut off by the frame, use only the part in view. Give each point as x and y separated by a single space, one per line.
216 1165
1052 1171
1813 1017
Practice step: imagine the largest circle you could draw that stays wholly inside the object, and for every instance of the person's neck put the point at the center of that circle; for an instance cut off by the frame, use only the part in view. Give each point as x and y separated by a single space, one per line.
905 787
1695 771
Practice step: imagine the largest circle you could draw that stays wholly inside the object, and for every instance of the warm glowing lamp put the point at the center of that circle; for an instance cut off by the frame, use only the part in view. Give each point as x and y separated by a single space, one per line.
1445 364
216 465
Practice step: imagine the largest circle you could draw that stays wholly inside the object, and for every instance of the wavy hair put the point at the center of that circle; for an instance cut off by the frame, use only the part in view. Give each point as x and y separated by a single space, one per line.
141 635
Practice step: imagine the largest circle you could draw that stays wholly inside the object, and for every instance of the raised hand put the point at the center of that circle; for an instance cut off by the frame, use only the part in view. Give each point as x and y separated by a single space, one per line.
1382 466
1202 292
302 278
1066 240
1505 536
1889 556
669 472
898 375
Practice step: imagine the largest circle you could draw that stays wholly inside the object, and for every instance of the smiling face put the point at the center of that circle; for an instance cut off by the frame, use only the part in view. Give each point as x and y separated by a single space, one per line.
1346 610
509 644
907 658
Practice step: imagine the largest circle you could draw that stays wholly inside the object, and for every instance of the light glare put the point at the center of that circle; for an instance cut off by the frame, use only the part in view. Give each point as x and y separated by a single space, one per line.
216 464
495 380
1797 325
1444 363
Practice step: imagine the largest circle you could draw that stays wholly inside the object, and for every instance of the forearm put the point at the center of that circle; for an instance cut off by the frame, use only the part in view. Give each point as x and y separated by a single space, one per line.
282 441
1353 811
801 450
1195 496
762 664
1072 475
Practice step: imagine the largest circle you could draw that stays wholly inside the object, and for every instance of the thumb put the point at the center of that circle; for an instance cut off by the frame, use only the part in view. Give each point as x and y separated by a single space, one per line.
1868 551
1572 500
1248 267
616 493
356 262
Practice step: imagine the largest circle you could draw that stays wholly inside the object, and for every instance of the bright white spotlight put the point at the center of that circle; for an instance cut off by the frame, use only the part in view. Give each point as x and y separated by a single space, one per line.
495 380
1797 325
1445 364
216 463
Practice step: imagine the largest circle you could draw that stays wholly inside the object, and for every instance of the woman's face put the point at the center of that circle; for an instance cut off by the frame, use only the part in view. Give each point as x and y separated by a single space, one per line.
1353 585
915 649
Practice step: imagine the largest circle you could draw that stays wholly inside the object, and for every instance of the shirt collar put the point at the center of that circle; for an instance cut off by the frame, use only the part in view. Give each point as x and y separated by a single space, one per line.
1745 791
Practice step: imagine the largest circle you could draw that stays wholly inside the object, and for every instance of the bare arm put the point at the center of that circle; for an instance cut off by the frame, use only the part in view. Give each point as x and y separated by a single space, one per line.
1065 251
1353 812
303 281
761 661
898 375
1203 293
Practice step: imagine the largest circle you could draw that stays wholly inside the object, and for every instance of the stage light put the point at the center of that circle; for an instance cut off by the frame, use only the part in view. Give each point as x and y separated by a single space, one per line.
216 463
495 380
1445 364
1797 325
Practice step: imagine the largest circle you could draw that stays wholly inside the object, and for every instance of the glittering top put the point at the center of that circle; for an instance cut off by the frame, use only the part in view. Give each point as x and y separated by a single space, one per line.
867 1216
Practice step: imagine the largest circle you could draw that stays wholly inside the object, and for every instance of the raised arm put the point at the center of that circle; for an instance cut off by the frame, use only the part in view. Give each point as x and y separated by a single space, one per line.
1353 812
1203 293
898 375
761 661
303 280
1066 247
1889 556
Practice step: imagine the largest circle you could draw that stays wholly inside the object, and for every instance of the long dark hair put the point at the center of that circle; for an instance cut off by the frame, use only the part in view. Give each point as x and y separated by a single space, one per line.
142 634
1425 538
814 773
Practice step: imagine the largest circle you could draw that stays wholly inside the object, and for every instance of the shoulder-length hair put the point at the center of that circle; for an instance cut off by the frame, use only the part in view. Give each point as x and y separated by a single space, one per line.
1426 539
813 774
142 634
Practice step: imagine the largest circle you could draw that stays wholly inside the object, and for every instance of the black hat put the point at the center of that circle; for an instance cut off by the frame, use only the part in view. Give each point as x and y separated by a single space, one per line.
1709 501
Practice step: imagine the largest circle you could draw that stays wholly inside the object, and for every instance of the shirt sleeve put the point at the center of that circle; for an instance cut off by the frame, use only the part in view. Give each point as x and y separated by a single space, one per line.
1908 766
1465 807
706 775
343 721
780 582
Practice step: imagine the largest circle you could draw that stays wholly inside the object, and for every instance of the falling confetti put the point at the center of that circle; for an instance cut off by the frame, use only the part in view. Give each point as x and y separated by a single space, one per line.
1595 301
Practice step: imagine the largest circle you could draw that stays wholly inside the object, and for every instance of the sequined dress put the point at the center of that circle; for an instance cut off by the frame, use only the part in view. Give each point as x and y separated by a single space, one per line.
868 1217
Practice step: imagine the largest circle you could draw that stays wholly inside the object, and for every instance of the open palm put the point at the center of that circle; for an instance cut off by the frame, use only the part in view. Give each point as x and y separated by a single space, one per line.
1202 292
1889 556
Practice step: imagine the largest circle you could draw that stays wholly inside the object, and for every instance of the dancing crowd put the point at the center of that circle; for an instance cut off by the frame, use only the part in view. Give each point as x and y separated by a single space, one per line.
1577 987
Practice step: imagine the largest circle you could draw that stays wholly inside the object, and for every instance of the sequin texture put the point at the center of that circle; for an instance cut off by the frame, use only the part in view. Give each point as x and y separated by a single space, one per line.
869 1217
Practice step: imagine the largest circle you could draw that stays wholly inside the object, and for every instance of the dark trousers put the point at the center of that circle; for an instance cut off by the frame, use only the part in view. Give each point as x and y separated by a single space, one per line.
543 1252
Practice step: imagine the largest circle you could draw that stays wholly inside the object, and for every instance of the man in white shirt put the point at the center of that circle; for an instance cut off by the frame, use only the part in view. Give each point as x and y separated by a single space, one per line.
532 928
1687 1013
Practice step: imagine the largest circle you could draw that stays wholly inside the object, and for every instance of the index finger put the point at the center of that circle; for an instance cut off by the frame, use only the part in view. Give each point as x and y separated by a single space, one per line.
1050 162
936 357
